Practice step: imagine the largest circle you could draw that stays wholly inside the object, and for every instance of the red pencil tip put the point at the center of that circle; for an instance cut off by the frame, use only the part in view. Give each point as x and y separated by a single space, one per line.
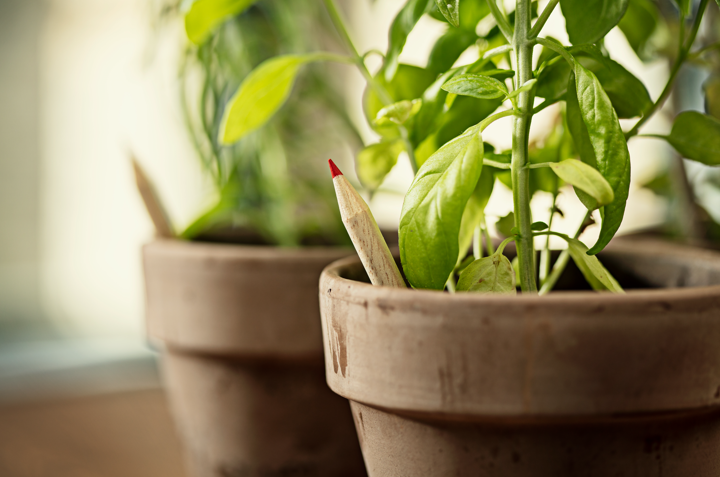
334 169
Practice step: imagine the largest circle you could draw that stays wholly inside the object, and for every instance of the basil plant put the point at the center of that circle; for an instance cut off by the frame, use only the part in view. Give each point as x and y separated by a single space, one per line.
437 114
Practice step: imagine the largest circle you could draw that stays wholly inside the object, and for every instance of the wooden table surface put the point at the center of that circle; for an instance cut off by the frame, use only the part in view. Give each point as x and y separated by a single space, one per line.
126 434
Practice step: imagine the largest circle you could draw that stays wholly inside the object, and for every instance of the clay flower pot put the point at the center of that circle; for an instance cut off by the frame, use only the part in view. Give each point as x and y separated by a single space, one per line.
571 384
242 362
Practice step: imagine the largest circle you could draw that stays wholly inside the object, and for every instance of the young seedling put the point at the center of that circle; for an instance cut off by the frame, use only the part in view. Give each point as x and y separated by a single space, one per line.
437 116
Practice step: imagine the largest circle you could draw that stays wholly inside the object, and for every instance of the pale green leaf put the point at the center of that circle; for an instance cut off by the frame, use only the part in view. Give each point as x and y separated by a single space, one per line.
433 209
525 87
492 274
397 113
205 16
260 96
476 85
594 272
475 209
375 162
586 178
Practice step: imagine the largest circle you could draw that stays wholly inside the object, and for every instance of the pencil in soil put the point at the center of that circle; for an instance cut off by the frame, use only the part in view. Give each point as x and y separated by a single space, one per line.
365 234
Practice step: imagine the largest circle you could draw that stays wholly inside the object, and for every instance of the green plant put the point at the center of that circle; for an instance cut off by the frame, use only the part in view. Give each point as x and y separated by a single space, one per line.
689 193
270 181
437 115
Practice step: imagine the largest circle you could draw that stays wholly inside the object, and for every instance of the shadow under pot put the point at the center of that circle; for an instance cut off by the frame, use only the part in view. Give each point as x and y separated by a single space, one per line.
570 384
242 359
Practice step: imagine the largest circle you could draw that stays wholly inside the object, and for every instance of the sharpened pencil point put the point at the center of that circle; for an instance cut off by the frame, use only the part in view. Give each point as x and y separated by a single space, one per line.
334 169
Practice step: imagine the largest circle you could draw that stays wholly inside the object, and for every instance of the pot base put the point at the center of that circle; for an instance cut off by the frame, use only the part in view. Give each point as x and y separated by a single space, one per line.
667 445
255 418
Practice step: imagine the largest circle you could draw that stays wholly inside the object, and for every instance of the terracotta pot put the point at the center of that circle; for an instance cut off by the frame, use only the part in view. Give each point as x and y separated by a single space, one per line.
243 362
570 384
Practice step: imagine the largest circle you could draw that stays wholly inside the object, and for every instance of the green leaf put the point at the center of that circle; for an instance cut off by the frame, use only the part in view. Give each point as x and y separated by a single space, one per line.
401 27
556 147
463 113
587 21
586 178
477 86
493 274
628 94
375 162
205 16
553 78
475 210
527 86
450 10
397 113
409 83
594 272
433 209
472 12
606 140
504 225
712 95
538 226
696 136
638 24
260 96
448 48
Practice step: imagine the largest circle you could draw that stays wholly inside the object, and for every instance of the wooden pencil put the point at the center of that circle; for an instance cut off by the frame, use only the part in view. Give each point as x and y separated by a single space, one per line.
365 234
154 207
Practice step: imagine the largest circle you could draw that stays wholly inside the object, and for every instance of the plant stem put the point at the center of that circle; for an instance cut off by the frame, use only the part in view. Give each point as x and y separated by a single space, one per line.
500 50
683 51
545 253
561 262
450 285
540 22
488 239
477 242
540 165
557 48
496 164
520 136
501 20
382 93
491 119
546 103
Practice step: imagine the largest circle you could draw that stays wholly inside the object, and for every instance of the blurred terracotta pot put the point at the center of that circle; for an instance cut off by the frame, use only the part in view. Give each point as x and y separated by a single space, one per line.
243 359
571 384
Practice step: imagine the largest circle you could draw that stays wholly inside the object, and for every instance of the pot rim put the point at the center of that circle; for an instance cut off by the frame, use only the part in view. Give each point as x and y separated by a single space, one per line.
581 353
238 250
238 300
404 295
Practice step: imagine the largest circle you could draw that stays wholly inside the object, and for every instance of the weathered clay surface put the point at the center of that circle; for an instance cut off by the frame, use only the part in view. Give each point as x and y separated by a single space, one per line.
435 374
243 361
256 418
672 446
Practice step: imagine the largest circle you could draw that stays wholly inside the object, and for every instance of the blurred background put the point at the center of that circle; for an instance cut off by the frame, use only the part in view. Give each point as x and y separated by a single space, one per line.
84 84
